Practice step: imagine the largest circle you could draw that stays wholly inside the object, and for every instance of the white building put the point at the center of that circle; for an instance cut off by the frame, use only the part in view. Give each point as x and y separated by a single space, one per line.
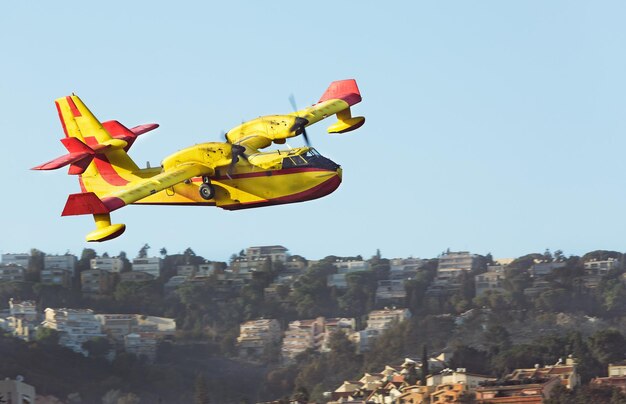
16 391
302 335
452 264
448 376
75 326
16 259
276 253
151 265
378 321
390 291
109 264
602 267
256 335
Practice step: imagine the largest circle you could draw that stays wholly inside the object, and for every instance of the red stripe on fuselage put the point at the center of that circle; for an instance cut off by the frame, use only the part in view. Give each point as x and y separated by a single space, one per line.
104 167
61 119
318 191
268 173
73 107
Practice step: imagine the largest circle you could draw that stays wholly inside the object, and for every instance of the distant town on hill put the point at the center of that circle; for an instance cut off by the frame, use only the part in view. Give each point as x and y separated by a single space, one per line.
270 326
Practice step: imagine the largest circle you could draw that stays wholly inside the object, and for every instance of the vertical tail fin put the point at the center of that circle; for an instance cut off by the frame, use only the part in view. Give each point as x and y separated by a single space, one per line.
111 166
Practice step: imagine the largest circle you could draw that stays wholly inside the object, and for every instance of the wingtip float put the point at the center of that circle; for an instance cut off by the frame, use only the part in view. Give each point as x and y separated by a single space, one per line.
231 175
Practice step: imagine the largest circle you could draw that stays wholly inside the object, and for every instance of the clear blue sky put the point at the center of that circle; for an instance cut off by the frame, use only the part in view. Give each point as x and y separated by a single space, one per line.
492 126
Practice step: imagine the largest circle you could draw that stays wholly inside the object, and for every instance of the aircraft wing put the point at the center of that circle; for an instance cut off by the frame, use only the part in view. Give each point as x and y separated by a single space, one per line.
337 100
84 203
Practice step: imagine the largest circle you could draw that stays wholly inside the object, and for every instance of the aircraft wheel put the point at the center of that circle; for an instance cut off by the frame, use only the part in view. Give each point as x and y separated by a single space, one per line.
207 191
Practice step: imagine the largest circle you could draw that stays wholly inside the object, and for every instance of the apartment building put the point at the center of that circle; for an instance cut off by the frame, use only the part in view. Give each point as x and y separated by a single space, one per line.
108 264
96 281
256 335
133 276
65 262
331 325
75 326
302 335
377 322
22 260
602 267
390 292
490 280
56 276
12 273
276 253
152 266
452 264
338 280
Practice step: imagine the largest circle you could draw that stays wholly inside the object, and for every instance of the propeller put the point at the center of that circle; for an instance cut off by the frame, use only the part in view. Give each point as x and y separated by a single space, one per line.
299 126
236 152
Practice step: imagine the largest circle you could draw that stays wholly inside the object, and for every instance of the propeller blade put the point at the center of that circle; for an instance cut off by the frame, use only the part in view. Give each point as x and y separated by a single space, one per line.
299 126
236 152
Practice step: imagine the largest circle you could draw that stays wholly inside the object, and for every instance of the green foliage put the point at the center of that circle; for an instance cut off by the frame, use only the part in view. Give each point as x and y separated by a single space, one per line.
608 346
97 347
47 336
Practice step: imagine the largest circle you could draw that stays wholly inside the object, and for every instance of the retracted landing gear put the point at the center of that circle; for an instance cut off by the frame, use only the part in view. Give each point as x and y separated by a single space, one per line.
207 191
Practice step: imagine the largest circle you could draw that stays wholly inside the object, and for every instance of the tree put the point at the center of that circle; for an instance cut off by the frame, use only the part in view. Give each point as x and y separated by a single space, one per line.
608 346
425 370
47 336
143 251
163 252
97 347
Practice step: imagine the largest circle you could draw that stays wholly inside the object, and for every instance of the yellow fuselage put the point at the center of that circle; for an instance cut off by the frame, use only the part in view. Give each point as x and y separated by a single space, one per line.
265 179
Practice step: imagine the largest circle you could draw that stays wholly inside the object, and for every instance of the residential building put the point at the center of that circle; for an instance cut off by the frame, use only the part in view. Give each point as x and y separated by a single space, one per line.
23 308
302 335
602 267
454 261
56 276
65 262
566 373
22 260
141 344
539 286
207 269
256 335
22 320
12 273
544 268
490 280
460 376
345 267
133 276
119 325
350 266
16 391
529 391
96 281
108 264
616 378
390 292
414 394
448 393
276 253
75 326
152 266
404 268
331 325
377 322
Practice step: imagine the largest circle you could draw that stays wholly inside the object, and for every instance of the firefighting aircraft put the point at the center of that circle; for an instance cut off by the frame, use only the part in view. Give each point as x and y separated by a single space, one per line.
231 175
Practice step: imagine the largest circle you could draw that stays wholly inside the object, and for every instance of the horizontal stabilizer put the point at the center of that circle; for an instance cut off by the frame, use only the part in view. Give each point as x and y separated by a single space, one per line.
119 131
80 155
86 203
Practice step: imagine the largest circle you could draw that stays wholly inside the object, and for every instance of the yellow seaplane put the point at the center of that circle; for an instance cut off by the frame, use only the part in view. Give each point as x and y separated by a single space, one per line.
231 175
